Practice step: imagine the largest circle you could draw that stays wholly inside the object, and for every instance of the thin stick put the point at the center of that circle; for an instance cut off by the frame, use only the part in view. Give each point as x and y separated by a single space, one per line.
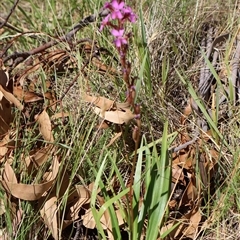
21 56
9 15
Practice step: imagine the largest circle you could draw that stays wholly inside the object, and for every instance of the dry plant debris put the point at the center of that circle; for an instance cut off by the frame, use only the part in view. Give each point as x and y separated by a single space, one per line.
19 91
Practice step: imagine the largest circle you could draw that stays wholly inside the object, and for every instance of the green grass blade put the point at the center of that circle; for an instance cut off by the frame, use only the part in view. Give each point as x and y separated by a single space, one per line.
159 189
200 104
94 198
136 191
144 55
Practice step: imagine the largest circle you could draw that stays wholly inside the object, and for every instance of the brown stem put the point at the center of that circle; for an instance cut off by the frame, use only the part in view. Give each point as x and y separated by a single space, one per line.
21 56
9 15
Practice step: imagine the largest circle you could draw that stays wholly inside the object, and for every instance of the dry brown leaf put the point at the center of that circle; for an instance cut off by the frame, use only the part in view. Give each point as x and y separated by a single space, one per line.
3 78
28 192
27 97
88 219
50 96
76 200
118 117
6 143
11 98
118 113
59 115
8 174
6 116
103 67
79 193
186 112
168 225
45 126
102 125
177 173
49 215
101 102
28 71
107 219
187 158
190 194
17 221
193 225
55 55
188 226
105 104
40 157
119 217
3 151
116 136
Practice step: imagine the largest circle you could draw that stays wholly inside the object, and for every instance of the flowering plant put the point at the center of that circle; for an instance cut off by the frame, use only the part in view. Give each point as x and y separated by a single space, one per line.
119 15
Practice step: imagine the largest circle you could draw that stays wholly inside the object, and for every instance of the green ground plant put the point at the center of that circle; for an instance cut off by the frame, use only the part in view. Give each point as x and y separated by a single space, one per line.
119 135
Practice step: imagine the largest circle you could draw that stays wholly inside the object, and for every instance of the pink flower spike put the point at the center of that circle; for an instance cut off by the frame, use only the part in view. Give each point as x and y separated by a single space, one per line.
119 38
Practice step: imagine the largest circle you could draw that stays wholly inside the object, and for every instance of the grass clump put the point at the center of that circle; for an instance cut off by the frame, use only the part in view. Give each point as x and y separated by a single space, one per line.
119 135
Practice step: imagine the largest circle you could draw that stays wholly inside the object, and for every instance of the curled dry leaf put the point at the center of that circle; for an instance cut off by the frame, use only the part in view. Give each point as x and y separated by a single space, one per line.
11 98
28 192
115 138
118 113
194 220
3 78
117 116
49 215
104 103
3 151
76 199
28 70
103 125
190 195
17 221
89 221
27 97
45 126
41 156
177 174
6 143
101 102
6 116
60 115
5 108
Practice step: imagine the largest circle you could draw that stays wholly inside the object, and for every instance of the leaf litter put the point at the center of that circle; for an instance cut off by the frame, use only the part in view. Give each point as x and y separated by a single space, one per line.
187 186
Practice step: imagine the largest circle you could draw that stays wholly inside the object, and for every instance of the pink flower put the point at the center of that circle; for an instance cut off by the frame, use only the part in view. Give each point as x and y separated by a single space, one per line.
119 11
128 14
119 37
117 7
105 21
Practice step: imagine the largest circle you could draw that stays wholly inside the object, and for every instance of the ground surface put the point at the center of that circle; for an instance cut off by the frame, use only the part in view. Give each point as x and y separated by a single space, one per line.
72 164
